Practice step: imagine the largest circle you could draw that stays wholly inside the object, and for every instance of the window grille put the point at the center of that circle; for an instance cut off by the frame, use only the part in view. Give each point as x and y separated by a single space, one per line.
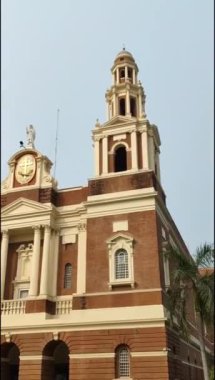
121 264
68 276
123 362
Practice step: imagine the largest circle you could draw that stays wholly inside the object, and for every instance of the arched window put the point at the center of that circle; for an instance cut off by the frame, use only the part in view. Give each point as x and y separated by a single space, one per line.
122 106
58 367
68 276
122 362
121 264
120 159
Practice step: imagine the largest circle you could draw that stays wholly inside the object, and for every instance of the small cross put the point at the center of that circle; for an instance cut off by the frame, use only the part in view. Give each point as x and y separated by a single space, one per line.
25 166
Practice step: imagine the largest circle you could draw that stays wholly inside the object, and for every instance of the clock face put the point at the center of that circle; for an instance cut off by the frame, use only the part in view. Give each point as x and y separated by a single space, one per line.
25 168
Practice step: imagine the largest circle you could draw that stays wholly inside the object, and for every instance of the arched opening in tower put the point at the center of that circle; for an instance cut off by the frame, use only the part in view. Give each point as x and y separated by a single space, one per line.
120 159
129 74
122 75
55 364
9 361
133 108
122 106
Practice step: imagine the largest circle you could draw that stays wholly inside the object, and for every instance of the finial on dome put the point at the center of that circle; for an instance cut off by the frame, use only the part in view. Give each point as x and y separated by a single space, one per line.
123 46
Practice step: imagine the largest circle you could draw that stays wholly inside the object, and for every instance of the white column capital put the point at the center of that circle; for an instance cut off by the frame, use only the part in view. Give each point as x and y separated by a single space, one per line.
36 228
82 227
5 232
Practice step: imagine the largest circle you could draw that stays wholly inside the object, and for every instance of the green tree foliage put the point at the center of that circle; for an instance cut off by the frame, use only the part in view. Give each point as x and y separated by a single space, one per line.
193 277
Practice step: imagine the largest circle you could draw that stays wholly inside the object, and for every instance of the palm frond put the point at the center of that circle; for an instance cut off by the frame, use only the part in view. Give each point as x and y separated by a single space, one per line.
205 297
186 268
204 256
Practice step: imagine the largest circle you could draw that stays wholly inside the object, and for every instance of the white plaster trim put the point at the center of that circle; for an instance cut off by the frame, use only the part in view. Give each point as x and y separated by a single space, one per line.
112 355
118 144
20 329
119 137
119 194
148 353
95 319
118 292
121 203
98 355
116 174
70 189
35 357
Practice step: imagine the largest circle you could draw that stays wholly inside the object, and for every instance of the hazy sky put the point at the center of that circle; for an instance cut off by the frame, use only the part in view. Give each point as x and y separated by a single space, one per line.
58 54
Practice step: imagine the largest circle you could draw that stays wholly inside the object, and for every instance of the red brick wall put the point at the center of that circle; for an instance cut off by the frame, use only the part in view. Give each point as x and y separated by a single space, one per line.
67 254
142 226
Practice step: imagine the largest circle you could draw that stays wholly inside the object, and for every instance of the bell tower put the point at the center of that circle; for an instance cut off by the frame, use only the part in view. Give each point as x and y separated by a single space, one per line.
126 142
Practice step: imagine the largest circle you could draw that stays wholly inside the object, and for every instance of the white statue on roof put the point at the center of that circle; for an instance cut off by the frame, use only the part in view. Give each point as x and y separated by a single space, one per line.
31 134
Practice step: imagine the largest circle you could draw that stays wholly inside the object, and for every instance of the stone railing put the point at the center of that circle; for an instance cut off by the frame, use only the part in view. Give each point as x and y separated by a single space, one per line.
13 307
63 307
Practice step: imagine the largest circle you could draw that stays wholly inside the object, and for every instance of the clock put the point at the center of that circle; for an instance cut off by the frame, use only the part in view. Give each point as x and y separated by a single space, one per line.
25 169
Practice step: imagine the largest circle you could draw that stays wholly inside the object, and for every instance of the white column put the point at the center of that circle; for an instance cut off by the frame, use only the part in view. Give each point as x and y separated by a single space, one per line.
134 164
4 252
140 111
104 155
56 237
107 110
117 75
82 257
113 78
126 72
114 105
96 156
158 167
151 153
127 99
35 263
144 143
134 76
45 262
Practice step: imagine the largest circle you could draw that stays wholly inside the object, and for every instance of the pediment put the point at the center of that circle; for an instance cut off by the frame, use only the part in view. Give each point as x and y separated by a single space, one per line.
118 120
23 207
120 236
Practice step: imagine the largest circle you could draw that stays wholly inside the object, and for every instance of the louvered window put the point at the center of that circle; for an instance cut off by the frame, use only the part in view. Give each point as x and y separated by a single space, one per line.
68 276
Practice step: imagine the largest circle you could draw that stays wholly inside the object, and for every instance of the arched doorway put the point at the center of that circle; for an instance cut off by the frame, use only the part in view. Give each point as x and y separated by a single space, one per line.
55 364
120 159
9 361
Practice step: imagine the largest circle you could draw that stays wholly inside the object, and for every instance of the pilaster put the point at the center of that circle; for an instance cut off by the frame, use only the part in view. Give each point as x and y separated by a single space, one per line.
35 263
45 262
82 251
4 253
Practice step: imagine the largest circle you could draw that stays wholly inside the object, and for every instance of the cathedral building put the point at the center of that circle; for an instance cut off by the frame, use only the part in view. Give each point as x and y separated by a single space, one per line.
83 270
